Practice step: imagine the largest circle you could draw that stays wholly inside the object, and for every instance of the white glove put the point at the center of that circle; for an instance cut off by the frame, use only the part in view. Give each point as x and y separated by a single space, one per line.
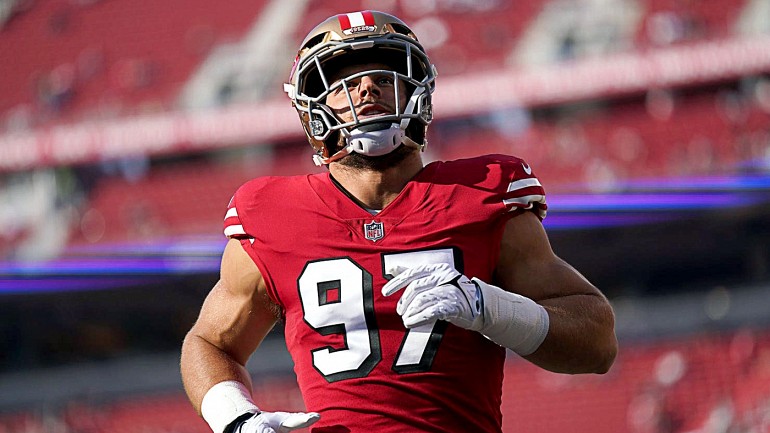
276 422
439 292
436 292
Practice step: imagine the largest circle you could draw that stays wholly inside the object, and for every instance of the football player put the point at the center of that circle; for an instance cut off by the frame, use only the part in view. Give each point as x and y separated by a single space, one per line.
401 284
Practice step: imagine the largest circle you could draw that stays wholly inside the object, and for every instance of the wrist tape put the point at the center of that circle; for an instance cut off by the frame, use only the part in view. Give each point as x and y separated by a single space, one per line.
224 403
511 320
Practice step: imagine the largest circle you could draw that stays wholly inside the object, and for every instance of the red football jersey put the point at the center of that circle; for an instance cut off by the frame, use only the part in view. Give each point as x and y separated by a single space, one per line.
324 260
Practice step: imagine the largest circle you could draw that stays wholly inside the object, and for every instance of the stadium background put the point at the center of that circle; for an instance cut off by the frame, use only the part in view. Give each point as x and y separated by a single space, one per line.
125 126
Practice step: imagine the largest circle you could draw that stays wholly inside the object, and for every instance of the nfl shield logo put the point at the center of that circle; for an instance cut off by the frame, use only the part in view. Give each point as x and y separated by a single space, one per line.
374 231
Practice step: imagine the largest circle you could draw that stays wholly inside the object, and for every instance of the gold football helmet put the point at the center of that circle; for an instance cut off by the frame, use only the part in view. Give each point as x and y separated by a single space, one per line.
361 38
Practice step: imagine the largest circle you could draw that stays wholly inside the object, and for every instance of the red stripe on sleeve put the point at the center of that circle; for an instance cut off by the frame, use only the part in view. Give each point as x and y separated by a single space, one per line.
368 18
344 21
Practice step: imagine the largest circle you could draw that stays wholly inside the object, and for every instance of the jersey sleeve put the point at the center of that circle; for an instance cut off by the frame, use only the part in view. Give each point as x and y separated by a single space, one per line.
234 227
524 191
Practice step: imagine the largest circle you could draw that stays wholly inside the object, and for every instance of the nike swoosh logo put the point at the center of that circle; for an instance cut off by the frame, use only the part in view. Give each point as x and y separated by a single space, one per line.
527 168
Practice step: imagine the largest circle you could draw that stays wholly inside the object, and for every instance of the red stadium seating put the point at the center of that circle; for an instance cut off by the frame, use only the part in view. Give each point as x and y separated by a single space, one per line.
78 61
165 203
185 199
625 141
85 60
678 21
678 384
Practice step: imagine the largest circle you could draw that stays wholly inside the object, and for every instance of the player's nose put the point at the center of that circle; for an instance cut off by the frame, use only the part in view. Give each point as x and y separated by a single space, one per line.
368 87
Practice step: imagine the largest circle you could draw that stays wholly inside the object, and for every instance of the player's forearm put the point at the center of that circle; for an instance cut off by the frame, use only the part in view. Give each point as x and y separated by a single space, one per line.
219 388
581 337
203 365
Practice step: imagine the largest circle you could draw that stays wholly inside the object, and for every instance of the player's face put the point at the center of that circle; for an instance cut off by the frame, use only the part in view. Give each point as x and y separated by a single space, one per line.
372 95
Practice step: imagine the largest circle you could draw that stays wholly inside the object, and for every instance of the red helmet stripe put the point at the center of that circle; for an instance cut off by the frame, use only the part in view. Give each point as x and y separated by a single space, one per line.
344 21
368 18
294 67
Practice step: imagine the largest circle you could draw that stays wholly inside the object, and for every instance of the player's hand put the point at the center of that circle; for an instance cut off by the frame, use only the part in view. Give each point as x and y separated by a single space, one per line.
436 292
276 422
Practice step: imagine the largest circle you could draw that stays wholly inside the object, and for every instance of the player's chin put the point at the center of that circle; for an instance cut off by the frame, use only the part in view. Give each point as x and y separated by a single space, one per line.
364 162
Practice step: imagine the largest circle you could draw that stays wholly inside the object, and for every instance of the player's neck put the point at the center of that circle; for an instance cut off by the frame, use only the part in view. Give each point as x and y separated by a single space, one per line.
375 189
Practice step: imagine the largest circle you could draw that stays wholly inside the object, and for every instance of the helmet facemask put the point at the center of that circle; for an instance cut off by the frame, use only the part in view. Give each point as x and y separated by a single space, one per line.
411 72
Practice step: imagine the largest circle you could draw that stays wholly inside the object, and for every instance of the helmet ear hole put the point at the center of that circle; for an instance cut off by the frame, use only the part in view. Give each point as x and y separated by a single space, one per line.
404 30
313 41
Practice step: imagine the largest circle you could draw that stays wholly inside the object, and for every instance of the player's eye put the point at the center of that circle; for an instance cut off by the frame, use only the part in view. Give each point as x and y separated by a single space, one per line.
385 80
338 86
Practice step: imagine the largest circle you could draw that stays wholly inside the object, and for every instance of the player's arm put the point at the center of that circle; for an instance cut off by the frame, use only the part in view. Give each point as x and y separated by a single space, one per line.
541 308
581 336
235 317
233 321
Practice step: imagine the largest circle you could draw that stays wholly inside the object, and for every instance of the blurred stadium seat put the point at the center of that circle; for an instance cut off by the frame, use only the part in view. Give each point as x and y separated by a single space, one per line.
91 59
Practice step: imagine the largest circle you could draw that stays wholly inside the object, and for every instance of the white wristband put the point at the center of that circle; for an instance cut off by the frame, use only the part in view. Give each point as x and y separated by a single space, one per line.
224 402
512 320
